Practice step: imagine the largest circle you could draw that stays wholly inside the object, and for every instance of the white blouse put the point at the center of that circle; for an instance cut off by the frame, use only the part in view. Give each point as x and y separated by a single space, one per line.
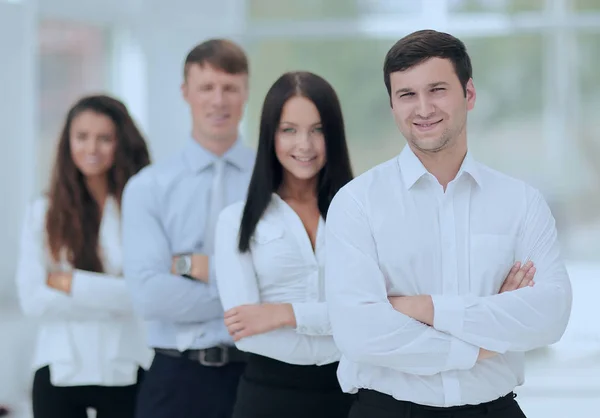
280 267
90 336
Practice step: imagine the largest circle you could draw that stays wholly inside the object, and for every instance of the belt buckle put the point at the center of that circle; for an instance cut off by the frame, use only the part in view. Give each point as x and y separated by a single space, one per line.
222 362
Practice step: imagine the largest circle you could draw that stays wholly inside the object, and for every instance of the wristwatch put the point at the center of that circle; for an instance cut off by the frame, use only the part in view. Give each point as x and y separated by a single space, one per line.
183 266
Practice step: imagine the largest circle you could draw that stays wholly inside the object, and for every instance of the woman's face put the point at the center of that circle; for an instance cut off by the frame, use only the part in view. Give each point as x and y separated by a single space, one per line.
299 140
93 143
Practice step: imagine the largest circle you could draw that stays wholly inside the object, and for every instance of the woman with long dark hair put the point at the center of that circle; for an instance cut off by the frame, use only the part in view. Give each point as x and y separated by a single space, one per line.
90 349
270 254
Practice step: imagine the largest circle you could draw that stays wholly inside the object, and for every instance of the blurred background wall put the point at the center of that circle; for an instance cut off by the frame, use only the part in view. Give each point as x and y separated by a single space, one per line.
535 70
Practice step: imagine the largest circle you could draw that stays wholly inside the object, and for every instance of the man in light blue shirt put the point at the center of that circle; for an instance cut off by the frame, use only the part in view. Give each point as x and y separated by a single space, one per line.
169 211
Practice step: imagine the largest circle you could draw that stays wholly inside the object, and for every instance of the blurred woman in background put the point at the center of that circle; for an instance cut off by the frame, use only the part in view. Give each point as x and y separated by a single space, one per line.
270 254
90 349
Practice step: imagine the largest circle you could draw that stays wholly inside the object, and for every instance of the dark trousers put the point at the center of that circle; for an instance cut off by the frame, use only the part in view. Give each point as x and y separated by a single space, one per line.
51 401
371 404
273 389
176 387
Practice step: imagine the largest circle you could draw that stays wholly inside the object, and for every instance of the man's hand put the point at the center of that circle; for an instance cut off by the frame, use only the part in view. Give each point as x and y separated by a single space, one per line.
418 307
199 269
519 277
60 280
246 320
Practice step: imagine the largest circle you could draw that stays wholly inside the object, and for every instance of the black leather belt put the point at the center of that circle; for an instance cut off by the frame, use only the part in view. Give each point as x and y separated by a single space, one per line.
213 357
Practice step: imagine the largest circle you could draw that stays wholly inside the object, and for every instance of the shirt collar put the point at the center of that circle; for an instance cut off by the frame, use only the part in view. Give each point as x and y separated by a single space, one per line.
199 158
412 169
470 166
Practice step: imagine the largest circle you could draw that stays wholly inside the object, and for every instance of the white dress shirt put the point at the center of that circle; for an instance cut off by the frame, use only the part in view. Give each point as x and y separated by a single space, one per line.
280 267
393 231
90 336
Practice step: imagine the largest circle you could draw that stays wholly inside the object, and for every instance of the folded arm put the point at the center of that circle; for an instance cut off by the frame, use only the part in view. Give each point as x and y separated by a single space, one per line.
147 259
365 326
312 318
35 296
265 329
524 319
92 289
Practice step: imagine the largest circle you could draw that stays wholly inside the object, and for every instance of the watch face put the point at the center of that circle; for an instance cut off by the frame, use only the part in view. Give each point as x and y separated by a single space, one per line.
182 265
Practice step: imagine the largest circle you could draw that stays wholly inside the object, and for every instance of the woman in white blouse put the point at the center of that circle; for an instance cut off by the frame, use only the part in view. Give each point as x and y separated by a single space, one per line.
270 254
90 349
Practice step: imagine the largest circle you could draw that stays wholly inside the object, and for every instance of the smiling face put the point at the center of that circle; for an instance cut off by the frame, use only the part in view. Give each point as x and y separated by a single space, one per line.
93 142
429 105
216 100
299 140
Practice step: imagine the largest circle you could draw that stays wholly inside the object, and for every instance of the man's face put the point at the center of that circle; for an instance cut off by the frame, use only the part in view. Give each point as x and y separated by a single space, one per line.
216 99
429 105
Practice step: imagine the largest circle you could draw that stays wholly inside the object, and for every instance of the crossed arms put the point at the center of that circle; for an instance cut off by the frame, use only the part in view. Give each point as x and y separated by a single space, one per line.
429 334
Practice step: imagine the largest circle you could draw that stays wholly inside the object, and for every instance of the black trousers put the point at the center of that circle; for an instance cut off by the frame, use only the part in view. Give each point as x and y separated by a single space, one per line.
176 387
51 401
372 404
273 389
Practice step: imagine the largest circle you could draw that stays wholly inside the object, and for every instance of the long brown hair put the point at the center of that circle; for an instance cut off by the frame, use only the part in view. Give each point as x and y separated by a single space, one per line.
73 216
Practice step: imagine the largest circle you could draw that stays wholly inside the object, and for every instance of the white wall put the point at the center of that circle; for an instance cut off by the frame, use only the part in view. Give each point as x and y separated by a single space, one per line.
17 128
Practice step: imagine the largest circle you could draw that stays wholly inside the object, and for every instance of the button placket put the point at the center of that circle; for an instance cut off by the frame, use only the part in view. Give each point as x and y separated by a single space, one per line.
448 241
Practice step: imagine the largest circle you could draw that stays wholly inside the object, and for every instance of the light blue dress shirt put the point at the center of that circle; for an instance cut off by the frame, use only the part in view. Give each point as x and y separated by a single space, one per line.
164 210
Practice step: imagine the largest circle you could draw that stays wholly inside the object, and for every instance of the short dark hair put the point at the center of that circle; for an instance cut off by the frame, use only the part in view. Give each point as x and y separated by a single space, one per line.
422 45
221 54
268 172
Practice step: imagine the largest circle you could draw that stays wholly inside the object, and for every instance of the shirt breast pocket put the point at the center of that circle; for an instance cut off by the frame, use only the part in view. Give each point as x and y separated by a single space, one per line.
265 234
268 252
491 258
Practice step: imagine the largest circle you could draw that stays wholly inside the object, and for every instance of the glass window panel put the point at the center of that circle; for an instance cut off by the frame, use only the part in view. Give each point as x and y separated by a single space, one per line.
305 9
505 128
582 209
388 6
354 68
586 5
505 6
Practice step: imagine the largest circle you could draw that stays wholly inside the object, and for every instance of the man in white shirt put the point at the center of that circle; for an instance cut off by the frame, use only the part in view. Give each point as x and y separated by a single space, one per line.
431 258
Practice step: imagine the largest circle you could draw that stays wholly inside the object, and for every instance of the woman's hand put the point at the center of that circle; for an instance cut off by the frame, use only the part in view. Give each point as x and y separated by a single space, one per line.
247 320
60 280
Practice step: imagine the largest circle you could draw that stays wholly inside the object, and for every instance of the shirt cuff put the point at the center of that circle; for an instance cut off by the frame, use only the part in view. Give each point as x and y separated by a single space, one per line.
462 356
310 318
212 277
81 285
448 313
